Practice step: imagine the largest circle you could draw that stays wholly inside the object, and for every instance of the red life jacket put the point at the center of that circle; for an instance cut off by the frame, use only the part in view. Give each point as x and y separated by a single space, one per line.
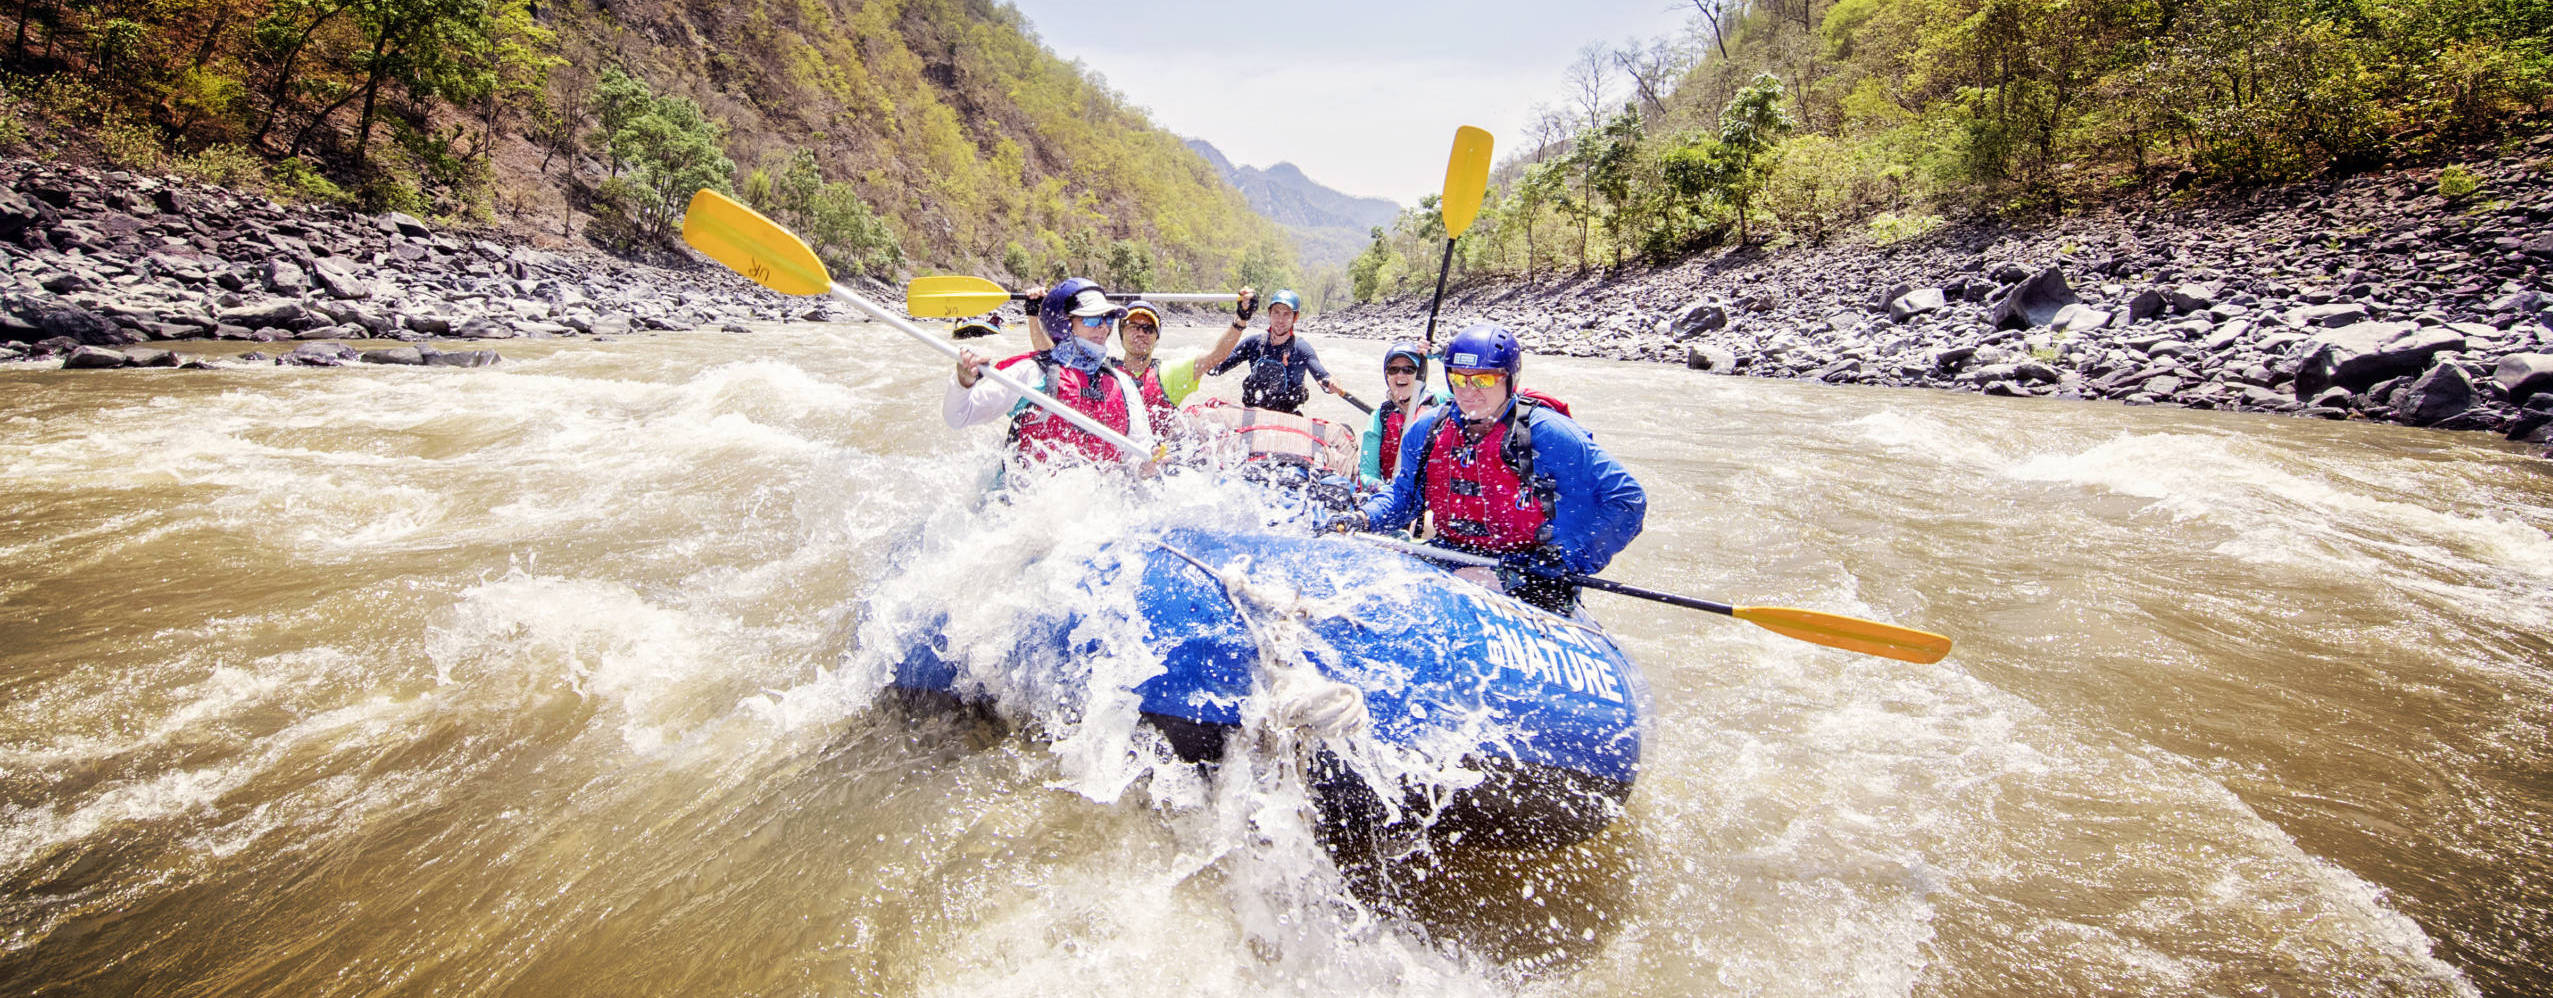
1546 401
1485 495
1156 398
1393 423
1043 436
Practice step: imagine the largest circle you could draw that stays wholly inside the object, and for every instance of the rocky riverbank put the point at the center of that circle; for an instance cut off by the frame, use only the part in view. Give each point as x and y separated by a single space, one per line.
95 265
2370 297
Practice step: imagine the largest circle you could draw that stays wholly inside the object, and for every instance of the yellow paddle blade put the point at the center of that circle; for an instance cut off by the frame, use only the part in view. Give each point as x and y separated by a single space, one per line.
1869 637
1466 179
752 245
952 296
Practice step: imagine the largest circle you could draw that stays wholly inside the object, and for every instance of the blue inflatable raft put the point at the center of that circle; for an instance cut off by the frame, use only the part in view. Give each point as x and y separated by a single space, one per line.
1543 712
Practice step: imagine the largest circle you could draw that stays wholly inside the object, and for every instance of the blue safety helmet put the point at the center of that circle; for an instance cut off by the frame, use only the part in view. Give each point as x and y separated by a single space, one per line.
1288 299
1485 347
1073 298
1412 349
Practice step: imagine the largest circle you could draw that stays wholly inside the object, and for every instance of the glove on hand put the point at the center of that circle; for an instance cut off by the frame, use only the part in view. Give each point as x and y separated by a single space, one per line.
1539 561
1346 523
1248 305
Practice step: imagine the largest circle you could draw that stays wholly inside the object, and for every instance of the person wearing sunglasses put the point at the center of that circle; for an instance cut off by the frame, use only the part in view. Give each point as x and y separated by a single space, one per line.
1077 316
1404 374
1503 474
1278 361
1165 385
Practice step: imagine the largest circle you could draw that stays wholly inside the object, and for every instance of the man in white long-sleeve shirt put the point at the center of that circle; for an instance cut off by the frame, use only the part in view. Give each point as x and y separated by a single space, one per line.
1077 372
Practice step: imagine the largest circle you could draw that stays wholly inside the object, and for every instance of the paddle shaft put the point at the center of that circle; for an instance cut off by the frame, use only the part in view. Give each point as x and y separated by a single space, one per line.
1441 270
1869 637
1040 399
1358 403
1589 581
1161 297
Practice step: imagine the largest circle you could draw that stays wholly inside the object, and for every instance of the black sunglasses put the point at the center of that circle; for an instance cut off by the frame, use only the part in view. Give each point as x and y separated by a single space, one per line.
1400 369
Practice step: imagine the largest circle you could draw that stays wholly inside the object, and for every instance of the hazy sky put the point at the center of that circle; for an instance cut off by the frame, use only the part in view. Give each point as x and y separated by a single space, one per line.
1364 95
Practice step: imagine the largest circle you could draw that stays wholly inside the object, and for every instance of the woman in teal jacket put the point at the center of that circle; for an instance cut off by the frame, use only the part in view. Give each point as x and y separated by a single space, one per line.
1404 370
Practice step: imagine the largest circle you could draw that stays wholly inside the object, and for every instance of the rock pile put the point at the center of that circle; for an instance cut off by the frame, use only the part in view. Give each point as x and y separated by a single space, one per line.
2368 297
93 263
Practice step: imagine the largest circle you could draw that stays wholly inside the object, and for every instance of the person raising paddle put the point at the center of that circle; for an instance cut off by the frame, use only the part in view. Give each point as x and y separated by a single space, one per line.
1278 360
1078 316
1166 385
1509 476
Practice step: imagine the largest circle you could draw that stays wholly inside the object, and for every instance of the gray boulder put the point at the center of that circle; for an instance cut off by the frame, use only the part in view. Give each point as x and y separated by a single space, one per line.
284 278
2146 305
1916 302
2033 302
63 319
1711 359
19 212
2035 372
150 358
2524 375
407 225
403 356
1695 319
2359 356
2517 303
320 355
2192 297
484 328
2332 316
2440 394
339 279
462 358
2079 317
89 358
269 315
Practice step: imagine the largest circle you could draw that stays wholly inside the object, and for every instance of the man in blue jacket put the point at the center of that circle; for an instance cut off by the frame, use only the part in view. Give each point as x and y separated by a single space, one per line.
1509 477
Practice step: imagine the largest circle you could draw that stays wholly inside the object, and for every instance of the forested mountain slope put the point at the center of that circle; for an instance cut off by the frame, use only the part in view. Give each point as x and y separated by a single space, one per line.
897 134
1813 121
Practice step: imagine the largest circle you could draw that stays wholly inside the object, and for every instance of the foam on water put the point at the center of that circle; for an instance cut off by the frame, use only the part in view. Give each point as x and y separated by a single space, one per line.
1844 827
1293 924
571 667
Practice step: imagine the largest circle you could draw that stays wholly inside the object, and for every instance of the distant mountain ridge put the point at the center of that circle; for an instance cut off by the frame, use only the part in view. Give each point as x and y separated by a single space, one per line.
1328 226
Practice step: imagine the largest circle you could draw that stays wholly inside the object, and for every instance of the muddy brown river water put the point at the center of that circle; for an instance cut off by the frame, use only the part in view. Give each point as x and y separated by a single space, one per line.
547 680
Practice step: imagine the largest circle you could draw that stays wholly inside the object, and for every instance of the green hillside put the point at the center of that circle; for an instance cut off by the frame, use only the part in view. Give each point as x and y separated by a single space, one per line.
1807 121
898 134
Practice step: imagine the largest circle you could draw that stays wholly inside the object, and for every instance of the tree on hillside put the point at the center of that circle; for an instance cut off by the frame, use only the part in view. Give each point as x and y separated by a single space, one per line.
1614 173
1590 82
1267 264
1653 70
1129 266
1541 185
669 148
1366 273
1716 16
277 40
426 46
617 99
829 215
1750 126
